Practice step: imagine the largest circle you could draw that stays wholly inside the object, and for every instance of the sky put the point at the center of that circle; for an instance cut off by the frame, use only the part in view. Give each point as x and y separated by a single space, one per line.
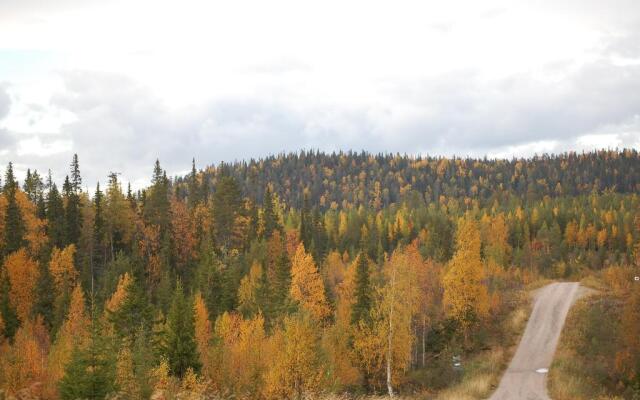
122 83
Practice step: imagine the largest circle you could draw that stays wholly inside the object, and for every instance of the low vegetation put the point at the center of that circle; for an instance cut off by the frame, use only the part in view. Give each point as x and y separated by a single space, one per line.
599 353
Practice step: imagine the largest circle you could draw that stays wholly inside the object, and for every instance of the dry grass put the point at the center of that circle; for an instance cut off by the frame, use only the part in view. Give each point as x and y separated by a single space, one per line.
585 355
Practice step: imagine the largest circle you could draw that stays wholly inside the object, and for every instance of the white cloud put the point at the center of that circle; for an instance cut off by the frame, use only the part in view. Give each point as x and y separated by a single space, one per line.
123 82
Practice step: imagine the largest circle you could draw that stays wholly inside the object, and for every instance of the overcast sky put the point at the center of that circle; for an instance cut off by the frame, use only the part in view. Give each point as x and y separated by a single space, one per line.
123 82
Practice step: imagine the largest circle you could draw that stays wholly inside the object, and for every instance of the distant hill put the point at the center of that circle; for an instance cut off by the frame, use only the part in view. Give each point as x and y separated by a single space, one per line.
377 180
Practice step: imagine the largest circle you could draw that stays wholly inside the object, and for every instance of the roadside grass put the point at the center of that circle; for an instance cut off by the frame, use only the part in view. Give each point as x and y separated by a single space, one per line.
586 352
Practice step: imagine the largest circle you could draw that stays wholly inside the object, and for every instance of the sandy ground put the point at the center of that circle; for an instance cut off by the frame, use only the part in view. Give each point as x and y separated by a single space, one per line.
526 377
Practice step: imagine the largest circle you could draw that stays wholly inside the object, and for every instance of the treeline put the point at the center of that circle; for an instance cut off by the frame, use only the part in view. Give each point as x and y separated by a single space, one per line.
379 180
262 289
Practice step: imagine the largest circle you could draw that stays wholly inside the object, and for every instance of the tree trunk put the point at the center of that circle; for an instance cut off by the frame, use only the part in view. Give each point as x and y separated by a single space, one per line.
390 336
424 338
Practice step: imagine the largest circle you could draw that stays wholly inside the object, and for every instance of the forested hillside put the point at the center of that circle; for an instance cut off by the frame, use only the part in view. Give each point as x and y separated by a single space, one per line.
377 181
299 274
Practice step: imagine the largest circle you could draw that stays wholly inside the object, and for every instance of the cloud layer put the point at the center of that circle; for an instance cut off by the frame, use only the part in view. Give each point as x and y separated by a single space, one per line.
466 80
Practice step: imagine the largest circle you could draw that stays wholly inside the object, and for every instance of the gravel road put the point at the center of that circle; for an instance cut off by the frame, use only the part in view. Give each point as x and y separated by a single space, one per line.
526 377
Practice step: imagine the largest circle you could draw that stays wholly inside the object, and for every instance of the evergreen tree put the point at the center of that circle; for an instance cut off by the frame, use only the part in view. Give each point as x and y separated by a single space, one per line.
281 286
130 198
14 228
180 346
156 206
44 293
76 179
98 252
269 217
7 311
227 204
32 185
306 225
55 215
90 373
72 212
362 305
134 314
194 189
41 207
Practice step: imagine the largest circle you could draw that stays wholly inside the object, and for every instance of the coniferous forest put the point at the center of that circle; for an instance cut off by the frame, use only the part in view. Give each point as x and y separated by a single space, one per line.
307 275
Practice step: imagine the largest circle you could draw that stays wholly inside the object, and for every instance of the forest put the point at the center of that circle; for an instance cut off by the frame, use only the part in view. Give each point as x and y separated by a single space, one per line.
307 274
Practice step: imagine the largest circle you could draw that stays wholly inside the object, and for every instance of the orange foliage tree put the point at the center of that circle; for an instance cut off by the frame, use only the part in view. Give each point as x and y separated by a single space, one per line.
62 268
23 273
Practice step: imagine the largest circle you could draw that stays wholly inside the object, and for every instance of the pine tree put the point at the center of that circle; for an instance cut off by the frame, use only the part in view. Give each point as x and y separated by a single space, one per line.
180 347
14 228
362 305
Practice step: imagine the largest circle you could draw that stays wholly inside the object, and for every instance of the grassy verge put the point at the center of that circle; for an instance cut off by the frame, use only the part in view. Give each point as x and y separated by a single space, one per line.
583 362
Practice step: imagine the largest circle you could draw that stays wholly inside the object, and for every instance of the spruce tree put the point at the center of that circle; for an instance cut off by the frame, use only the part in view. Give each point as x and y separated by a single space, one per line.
55 216
227 205
269 217
194 187
91 372
133 315
282 284
9 315
14 228
180 346
306 224
98 252
156 206
44 293
362 305
72 212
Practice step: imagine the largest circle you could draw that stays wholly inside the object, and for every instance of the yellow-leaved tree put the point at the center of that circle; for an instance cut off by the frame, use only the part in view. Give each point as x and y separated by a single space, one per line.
306 285
249 291
466 298
23 365
73 332
296 369
120 295
240 356
203 331
62 268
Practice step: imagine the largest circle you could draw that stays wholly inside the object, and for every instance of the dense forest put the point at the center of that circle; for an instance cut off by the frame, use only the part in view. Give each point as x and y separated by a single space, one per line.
300 274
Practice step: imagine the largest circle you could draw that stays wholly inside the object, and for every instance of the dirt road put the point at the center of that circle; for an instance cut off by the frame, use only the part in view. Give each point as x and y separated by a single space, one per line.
526 377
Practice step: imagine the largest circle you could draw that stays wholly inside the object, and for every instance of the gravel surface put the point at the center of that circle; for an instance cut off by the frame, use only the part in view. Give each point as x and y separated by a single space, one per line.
526 377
